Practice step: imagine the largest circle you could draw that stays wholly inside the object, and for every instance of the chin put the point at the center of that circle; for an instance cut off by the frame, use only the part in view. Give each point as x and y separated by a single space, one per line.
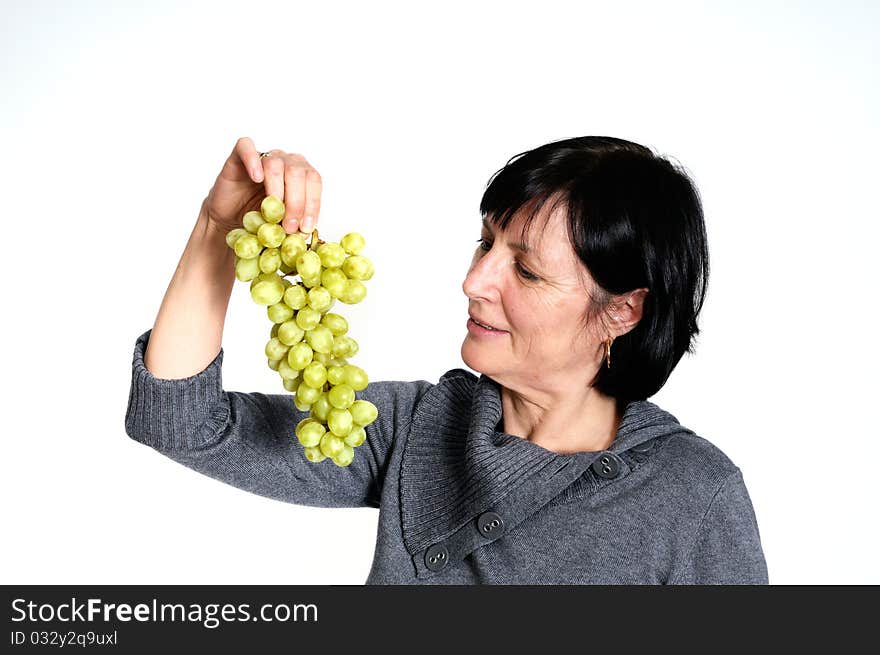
472 360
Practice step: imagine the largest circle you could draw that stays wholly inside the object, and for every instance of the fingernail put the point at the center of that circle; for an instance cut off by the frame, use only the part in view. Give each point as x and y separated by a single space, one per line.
308 224
291 226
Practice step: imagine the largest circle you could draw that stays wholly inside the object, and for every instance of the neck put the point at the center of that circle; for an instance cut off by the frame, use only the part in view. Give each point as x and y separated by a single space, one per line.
561 422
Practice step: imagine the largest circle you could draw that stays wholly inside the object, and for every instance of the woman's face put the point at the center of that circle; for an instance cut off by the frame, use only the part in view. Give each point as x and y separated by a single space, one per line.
537 300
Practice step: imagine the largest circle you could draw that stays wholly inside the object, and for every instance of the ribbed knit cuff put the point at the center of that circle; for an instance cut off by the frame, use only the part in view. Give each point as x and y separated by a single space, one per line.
181 414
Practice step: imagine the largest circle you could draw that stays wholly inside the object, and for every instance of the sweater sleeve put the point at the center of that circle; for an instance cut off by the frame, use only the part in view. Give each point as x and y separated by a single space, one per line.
727 546
248 440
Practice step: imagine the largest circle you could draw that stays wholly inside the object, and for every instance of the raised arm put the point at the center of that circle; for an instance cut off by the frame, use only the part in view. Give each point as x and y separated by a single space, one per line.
188 330
247 440
177 403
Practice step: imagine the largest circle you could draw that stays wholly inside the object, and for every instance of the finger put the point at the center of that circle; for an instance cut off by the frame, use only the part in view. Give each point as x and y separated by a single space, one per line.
294 194
313 200
250 158
273 168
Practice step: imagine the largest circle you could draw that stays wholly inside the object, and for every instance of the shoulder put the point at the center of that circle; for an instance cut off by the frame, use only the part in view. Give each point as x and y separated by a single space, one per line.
453 393
453 388
694 465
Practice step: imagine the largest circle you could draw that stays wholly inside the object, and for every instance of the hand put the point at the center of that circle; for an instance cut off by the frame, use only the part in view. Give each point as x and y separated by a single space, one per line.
246 179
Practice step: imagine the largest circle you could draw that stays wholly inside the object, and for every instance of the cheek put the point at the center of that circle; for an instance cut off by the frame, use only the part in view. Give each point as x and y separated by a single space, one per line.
551 321
529 315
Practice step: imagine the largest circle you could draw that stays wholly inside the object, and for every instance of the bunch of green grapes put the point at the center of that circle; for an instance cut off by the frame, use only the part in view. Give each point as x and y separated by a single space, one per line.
308 344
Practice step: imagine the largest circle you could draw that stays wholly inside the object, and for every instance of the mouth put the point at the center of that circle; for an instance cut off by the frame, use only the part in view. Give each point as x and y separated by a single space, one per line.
485 326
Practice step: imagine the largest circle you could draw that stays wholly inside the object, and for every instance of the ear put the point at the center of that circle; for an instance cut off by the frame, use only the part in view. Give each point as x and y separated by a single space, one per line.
627 311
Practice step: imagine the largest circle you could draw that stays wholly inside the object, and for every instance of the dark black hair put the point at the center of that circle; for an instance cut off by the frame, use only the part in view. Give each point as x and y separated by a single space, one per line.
635 220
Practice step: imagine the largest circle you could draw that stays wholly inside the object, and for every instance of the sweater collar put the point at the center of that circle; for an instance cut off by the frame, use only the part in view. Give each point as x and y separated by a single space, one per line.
457 462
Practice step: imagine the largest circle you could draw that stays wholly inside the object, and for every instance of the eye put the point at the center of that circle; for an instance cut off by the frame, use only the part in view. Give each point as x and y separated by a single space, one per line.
486 246
525 273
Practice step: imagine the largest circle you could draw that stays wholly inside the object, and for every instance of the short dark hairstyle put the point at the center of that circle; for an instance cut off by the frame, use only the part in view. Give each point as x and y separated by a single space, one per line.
635 220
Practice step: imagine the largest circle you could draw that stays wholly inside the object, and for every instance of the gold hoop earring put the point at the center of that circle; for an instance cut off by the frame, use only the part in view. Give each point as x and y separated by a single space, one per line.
608 351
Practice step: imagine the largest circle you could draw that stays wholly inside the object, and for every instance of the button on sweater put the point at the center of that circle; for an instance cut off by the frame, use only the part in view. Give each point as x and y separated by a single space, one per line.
462 502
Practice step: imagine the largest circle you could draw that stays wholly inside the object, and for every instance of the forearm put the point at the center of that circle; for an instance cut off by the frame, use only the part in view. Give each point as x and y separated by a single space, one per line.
188 330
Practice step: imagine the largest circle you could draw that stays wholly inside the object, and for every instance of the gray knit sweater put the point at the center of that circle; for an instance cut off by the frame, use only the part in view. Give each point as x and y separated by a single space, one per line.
460 501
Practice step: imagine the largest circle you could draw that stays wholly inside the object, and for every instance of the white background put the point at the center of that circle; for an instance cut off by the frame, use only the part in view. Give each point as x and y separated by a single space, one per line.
116 118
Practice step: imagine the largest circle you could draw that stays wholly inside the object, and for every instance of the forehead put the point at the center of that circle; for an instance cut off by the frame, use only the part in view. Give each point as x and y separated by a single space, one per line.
546 240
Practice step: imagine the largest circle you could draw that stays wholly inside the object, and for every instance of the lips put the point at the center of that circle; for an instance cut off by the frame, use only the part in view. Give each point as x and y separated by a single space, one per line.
484 324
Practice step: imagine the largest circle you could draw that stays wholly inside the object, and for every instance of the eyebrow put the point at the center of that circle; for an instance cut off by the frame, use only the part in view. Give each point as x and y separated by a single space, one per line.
519 245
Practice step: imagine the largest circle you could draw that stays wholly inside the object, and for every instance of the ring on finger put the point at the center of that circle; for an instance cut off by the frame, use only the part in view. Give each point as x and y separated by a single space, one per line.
264 154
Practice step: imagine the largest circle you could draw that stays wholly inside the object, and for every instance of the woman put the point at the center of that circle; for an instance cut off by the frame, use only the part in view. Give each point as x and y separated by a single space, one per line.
550 467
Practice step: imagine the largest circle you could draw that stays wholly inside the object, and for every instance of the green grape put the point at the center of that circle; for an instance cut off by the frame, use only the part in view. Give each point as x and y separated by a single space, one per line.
295 297
363 412
290 333
252 221
247 246
345 457
333 279
352 347
309 432
287 371
308 264
247 269
300 355
321 407
279 312
314 454
291 248
306 394
311 281
268 290
335 323
232 236
357 436
341 396
339 421
270 260
271 235
335 375
333 275
331 254
272 209
355 377
357 267
308 346
352 243
320 339
315 375
344 346
307 318
275 349
331 444
354 292
320 299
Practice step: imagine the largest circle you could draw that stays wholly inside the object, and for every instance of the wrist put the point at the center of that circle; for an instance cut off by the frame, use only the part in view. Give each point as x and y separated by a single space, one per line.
208 229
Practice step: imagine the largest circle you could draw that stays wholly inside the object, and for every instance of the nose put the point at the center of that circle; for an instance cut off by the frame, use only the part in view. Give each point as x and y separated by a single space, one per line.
482 277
